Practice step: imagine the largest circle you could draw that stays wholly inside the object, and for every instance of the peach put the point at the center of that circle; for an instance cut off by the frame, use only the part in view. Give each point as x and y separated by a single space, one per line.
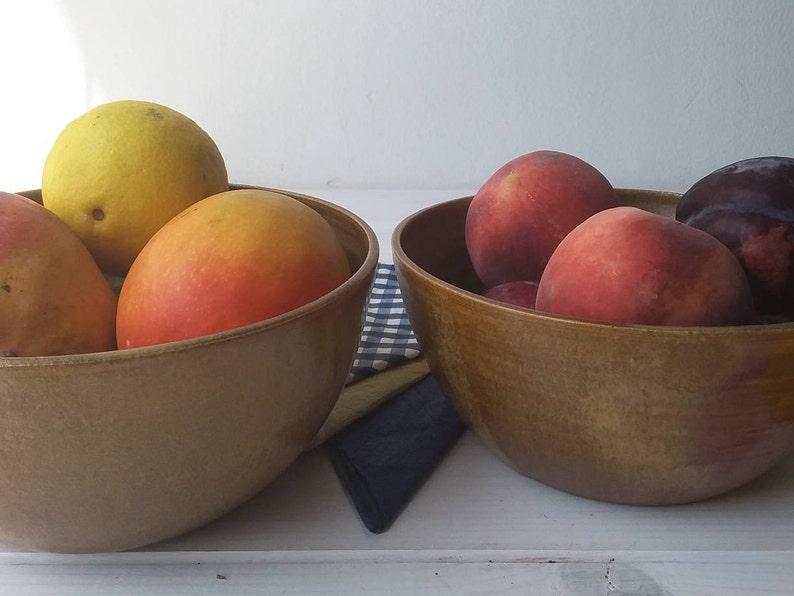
232 259
523 211
519 293
626 265
53 298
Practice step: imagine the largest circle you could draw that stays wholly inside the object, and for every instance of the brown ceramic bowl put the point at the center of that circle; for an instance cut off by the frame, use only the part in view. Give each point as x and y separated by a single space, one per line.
114 450
628 414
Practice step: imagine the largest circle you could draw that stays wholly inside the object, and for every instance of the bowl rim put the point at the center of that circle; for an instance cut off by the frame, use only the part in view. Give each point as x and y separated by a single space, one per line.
363 272
401 259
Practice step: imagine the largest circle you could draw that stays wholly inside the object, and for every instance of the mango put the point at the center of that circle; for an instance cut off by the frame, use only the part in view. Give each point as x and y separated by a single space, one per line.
54 299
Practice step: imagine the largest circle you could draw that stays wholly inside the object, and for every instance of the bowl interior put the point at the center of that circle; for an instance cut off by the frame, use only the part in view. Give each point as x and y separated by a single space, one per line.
356 236
434 241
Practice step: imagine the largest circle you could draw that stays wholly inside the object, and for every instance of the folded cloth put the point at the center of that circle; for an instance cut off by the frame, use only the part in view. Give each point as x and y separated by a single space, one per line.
387 347
360 398
384 457
386 338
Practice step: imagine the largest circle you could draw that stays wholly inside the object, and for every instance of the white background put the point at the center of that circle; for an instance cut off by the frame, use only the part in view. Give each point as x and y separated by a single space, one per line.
412 93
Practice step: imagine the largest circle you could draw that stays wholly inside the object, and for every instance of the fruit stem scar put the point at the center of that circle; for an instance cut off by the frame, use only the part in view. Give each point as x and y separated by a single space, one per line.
98 214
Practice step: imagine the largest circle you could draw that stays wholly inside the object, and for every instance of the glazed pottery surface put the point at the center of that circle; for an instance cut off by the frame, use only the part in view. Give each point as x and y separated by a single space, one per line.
114 450
628 414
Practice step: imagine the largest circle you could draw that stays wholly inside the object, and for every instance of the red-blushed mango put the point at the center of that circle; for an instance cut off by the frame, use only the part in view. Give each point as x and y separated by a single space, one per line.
232 259
626 265
523 211
54 300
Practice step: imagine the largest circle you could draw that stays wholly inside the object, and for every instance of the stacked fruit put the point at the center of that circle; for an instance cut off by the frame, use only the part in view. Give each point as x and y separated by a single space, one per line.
137 192
547 231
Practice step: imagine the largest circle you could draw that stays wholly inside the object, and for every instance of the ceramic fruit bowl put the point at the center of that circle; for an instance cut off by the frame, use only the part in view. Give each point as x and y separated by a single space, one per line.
629 414
114 450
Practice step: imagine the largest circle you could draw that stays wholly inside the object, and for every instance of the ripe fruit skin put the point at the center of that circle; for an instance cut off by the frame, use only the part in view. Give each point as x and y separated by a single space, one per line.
523 211
519 293
232 259
626 265
53 298
749 207
120 171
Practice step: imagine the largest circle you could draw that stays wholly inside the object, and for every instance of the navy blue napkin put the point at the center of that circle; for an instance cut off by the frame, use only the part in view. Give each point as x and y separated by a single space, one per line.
383 458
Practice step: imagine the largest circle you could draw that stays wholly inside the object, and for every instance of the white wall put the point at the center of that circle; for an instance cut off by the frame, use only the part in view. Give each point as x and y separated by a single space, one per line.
413 93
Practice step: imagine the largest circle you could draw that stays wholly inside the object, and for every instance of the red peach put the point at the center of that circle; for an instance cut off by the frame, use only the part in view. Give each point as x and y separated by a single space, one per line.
519 293
523 211
626 265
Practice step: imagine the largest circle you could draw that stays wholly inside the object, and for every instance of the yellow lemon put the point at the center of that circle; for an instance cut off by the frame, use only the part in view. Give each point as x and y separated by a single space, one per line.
122 170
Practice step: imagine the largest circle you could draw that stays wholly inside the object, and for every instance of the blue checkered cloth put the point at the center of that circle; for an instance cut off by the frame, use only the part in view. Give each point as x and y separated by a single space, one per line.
387 338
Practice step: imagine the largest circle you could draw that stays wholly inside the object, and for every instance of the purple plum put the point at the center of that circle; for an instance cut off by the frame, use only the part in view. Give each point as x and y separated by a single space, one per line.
749 207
